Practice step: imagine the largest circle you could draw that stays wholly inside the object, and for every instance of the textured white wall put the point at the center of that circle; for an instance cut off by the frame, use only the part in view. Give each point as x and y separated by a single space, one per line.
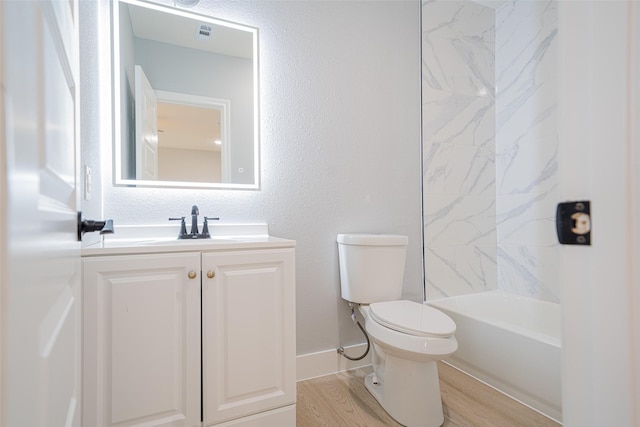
94 103
340 114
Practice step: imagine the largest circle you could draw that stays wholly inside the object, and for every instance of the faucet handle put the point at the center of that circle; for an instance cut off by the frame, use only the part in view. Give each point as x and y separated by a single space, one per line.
205 227
183 227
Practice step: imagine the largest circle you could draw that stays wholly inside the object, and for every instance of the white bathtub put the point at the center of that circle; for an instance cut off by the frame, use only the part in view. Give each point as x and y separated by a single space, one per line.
511 343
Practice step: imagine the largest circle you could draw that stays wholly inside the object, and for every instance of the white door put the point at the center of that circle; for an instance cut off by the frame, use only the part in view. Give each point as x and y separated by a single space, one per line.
600 161
40 263
146 127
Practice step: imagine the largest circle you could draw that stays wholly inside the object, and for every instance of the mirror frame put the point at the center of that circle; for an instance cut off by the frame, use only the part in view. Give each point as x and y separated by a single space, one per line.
117 113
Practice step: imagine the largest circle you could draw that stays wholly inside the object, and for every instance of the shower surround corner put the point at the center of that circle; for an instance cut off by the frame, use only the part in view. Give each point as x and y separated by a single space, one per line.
490 144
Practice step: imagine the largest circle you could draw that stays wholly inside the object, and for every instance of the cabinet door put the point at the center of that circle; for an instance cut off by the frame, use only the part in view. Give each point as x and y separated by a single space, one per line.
142 340
248 310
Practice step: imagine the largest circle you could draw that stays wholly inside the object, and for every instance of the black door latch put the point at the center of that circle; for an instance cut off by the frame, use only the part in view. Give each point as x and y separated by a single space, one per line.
573 223
89 226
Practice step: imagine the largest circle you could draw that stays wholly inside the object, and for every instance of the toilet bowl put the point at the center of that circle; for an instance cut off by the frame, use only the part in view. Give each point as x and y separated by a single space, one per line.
405 377
408 337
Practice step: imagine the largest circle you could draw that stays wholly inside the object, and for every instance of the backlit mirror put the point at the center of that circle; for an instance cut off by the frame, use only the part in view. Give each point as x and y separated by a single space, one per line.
185 99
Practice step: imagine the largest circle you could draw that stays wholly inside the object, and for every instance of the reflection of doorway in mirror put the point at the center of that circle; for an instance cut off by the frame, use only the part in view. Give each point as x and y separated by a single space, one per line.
189 143
192 139
146 127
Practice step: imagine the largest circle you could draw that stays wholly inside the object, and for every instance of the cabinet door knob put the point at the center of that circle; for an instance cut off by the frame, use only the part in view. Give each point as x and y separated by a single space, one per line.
211 274
192 274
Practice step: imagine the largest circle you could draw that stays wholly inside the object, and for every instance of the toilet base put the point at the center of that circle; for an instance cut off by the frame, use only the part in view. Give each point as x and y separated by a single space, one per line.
409 392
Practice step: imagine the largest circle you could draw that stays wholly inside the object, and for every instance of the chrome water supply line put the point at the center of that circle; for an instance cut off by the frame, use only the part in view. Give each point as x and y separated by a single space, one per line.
341 349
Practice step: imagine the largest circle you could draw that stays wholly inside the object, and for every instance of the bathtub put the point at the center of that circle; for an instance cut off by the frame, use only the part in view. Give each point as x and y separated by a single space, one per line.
511 343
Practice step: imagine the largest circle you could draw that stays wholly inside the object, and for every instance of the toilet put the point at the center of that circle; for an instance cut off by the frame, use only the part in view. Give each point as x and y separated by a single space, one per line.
408 338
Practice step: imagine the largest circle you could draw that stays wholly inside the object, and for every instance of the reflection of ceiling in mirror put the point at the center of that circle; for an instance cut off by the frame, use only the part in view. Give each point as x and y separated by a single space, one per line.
188 127
182 31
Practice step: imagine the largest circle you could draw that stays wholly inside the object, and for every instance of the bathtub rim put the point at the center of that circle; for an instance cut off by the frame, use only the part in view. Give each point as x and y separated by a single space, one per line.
556 341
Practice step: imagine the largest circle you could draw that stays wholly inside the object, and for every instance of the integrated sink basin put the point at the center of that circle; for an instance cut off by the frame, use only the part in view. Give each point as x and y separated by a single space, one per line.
174 241
130 239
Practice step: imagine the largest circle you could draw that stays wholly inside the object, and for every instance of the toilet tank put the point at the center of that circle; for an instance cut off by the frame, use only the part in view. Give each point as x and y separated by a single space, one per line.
371 266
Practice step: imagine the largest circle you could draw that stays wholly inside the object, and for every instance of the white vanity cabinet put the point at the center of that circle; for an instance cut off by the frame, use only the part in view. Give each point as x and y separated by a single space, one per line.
248 321
198 338
141 340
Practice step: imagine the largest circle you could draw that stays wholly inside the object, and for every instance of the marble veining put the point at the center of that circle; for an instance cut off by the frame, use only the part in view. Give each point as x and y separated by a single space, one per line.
460 269
473 173
526 145
490 144
528 166
459 220
458 46
459 157
459 118
529 271
526 219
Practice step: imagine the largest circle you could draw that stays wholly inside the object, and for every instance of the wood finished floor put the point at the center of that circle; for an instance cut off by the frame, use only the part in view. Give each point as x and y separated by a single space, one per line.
342 400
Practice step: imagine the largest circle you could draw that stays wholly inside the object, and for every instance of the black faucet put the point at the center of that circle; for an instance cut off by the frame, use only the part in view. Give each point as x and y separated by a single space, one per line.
194 221
194 234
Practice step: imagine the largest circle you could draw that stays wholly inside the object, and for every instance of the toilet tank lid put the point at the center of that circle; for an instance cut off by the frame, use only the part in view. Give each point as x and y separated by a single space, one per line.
373 239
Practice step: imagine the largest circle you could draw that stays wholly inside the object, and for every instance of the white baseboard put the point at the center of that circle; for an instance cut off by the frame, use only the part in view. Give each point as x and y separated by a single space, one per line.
285 416
329 362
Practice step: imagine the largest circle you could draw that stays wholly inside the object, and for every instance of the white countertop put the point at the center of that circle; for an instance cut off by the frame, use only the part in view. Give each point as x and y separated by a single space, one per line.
147 239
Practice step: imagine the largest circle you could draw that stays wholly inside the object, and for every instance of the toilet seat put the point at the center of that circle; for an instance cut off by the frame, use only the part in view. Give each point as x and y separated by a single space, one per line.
412 318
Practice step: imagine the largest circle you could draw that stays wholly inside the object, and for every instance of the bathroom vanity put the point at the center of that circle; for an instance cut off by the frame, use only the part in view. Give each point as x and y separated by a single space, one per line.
189 333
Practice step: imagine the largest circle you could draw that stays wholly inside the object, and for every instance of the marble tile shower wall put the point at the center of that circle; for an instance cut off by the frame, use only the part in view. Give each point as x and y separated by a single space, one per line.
527 148
489 148
458 90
